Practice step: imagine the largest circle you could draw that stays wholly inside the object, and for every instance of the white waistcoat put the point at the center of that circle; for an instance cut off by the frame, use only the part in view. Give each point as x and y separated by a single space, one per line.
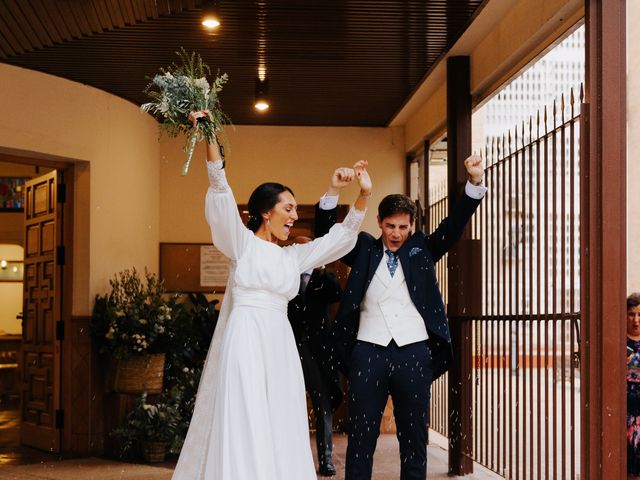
387 312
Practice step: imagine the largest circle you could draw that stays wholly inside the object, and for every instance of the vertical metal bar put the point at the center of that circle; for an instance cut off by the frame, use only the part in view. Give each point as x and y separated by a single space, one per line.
516 308
531 263
539 365
486 239
554 295
502 338
585 287
521 306
572 309
546 293
495 425
509 325
489 393
563 272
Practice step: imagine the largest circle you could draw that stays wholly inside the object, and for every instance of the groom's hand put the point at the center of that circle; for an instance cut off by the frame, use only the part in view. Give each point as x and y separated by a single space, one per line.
475 169
341 178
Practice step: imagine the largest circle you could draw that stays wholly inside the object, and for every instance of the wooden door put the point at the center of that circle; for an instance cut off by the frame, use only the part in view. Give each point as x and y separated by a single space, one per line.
40 353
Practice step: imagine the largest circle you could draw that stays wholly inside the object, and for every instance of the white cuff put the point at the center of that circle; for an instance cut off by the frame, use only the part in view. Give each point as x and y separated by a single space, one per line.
475 191
328 202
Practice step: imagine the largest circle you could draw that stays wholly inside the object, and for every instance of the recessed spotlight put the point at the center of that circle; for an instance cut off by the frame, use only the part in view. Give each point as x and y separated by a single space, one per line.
262 95
211 15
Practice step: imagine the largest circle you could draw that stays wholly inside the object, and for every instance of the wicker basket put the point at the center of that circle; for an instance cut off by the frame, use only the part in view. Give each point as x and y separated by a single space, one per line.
154 452
137 374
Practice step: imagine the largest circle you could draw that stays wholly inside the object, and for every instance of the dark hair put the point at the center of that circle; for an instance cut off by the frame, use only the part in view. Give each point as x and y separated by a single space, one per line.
633 300
395 204
263 199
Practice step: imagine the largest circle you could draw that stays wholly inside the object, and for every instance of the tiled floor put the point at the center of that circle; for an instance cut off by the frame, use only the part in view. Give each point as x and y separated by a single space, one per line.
386 466
22 463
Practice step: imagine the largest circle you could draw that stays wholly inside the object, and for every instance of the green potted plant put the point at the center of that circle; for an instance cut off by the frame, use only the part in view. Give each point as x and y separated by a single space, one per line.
190 332
150 426
130 325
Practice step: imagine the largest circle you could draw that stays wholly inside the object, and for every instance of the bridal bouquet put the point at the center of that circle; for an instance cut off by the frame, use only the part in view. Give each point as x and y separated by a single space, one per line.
181 89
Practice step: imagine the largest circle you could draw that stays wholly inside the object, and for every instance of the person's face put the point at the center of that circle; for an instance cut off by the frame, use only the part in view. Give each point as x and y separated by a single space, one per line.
633 321
282 216
395 230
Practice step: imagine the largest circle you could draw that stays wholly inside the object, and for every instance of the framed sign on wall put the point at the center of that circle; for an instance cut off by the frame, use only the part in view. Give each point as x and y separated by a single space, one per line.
193 267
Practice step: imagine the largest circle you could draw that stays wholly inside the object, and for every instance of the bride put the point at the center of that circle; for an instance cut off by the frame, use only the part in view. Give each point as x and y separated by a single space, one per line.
250 417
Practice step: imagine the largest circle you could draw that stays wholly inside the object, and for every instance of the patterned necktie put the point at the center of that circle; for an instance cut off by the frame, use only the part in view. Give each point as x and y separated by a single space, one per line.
304 282
392 261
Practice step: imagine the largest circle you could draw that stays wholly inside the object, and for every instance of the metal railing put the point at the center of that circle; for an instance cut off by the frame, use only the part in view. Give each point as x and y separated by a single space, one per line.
526 400
439 405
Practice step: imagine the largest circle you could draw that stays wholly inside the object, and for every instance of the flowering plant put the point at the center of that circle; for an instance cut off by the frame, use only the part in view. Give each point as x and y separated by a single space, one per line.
182 89
149 421
133 318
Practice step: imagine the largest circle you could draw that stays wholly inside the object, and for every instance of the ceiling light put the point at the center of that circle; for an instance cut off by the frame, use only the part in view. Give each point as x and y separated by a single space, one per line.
262 95
210 15
3 264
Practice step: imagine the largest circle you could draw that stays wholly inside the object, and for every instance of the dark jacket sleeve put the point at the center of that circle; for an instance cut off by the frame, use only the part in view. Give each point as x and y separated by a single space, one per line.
451 228
328 290
325 219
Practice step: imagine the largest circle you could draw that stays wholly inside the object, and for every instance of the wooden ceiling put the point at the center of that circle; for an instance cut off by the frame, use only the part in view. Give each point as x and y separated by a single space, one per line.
328 62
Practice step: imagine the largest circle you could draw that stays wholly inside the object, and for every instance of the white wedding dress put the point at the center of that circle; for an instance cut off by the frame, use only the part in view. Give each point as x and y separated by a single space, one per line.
250 417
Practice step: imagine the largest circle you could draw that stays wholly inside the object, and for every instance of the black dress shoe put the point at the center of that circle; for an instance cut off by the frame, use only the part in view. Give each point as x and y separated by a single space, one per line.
327 470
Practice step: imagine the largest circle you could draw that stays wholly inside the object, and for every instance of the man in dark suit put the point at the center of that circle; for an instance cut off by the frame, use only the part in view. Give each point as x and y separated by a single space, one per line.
391 332
311 322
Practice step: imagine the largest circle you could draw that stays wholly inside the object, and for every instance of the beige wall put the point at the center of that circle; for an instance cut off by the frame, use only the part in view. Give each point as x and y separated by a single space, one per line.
117 155
633 146
301 157
129 194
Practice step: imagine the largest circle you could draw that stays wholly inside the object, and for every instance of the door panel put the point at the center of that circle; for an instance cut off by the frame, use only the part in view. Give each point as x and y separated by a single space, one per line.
40 353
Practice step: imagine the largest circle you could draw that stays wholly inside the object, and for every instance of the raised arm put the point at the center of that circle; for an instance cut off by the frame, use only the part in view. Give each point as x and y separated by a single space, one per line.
364 182
340 238
451 228
228 233
325 212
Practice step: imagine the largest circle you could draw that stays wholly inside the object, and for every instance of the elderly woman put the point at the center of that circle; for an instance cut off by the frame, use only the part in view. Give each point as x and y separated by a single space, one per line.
633 385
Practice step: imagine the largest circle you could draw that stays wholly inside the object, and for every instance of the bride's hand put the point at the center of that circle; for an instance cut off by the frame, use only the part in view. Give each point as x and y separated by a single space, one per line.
364 180
195 115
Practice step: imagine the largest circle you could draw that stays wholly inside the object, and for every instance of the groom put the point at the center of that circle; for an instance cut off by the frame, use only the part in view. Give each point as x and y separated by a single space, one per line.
391 331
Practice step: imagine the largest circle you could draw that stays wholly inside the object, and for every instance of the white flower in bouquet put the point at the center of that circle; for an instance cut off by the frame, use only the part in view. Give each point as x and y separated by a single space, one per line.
180 90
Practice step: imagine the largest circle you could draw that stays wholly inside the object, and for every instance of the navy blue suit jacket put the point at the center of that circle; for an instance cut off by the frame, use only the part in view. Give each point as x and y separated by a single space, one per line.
311 324
418 256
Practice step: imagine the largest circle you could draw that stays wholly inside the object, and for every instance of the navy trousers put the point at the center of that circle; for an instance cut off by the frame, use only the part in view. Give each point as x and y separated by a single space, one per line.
375 372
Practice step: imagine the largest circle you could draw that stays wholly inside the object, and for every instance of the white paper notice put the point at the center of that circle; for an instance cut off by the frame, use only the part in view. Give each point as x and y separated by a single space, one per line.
214 267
